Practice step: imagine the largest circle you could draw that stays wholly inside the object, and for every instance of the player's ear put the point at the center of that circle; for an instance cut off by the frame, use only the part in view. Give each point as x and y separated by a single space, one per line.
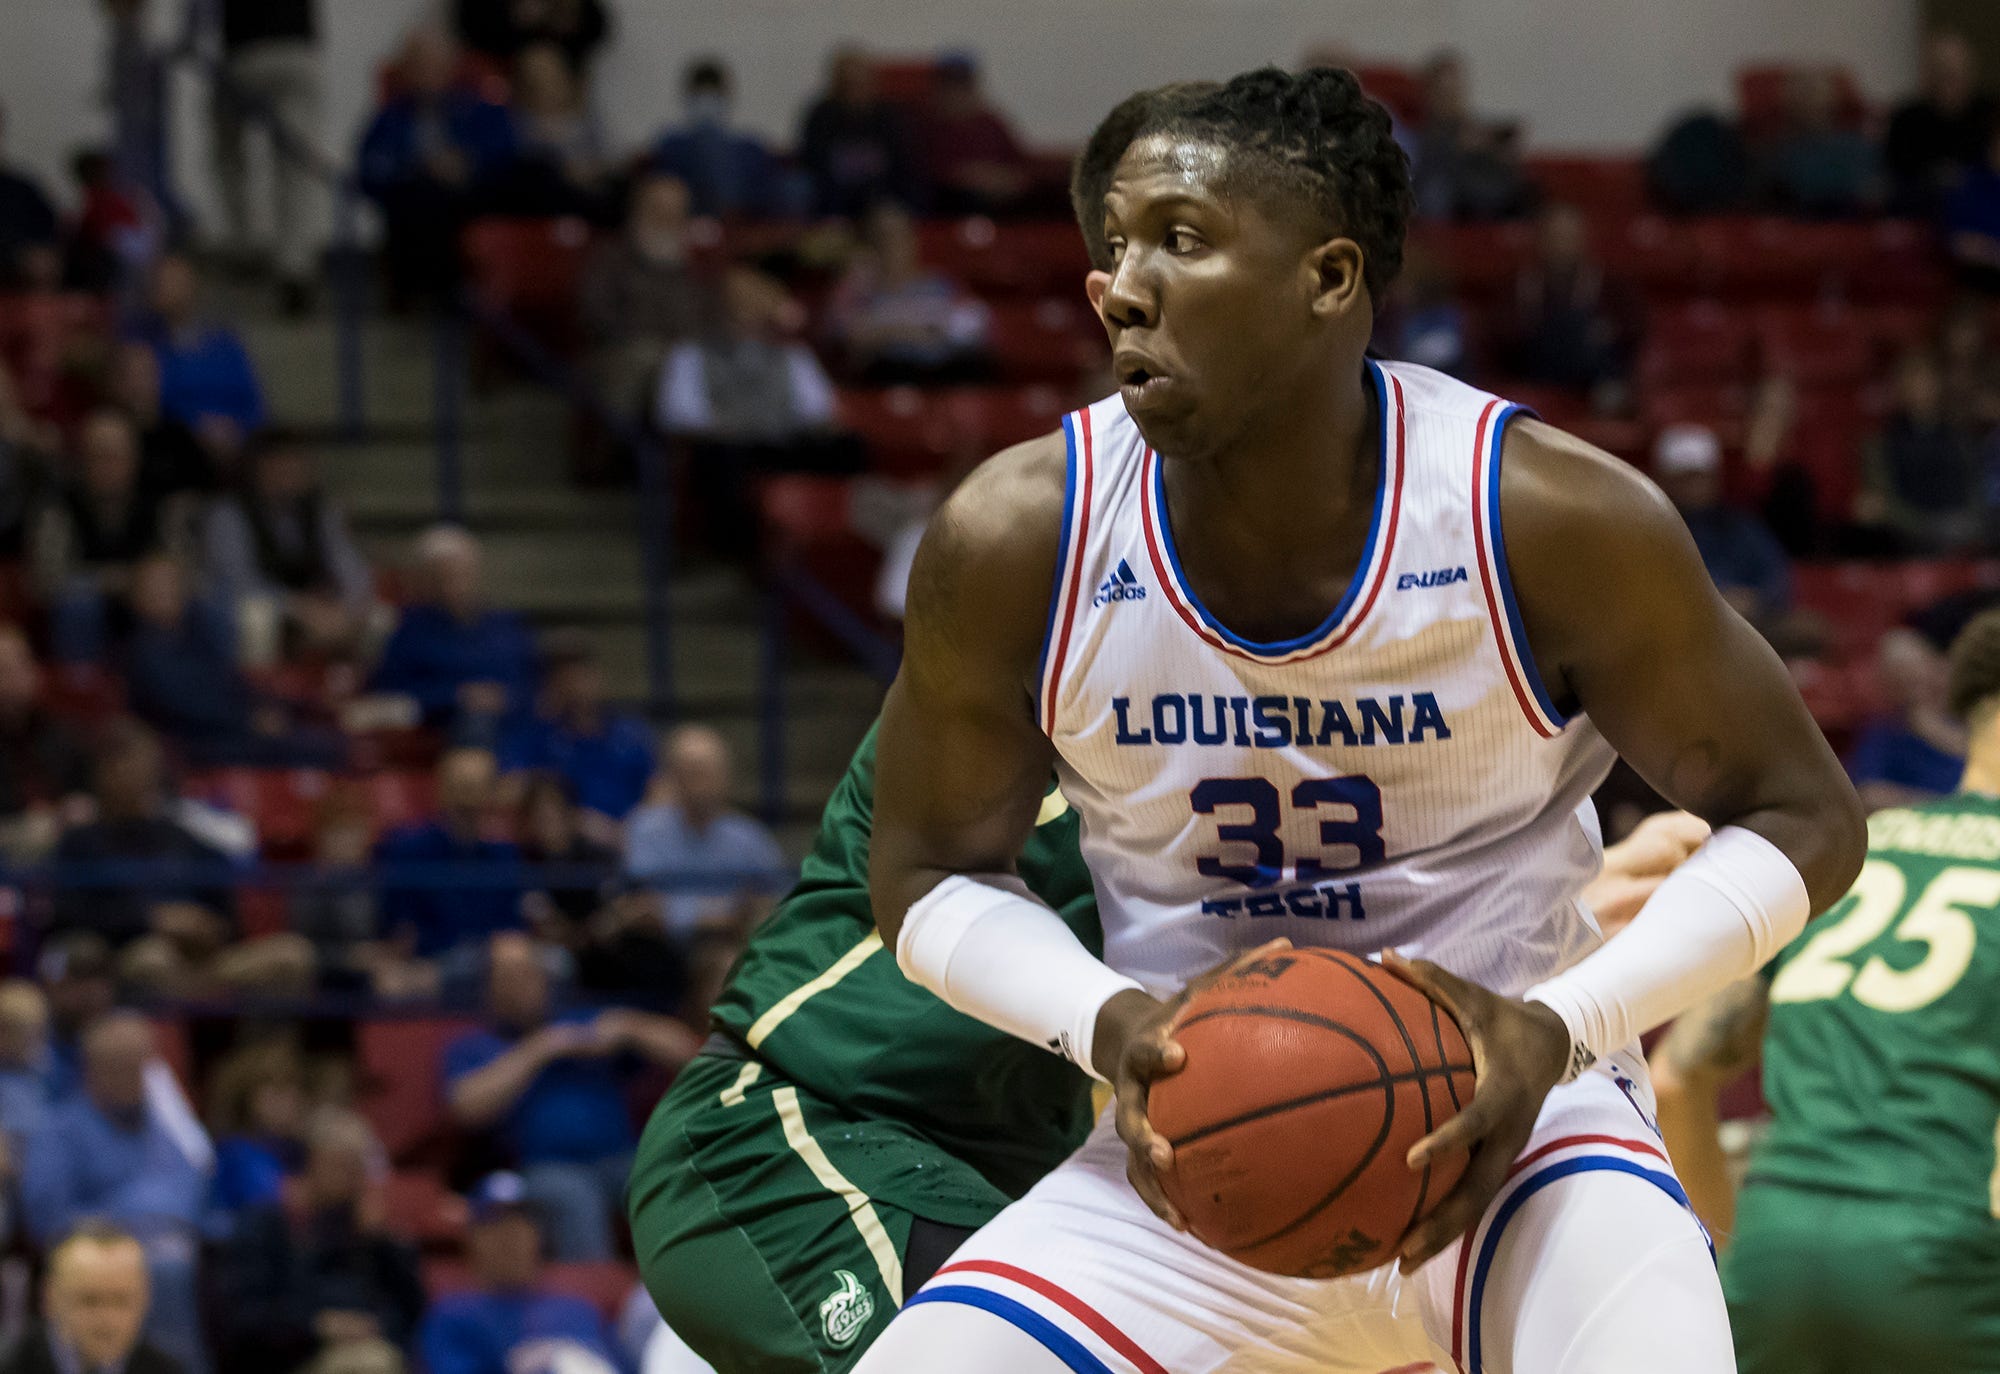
1337 280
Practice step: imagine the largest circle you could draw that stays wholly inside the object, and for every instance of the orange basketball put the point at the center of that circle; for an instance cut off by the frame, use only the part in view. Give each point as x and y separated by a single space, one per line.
1309 1076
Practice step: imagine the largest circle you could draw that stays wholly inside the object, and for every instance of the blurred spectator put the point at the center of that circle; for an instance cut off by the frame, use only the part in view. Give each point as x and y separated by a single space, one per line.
554 1089
1700 166
27 451
748 399
207 380
508 1307
1815 165
113 239
640 297
1464 167
429 153
183 681
562 165
729 173
75 971
317 1280
1790 500
500 29
1566 327
172 930
138 73
1923 473
468 665
604 757
716 870
1972 221
1918 753
338 911
895 320
281 559
112 1153
614 937
257 1117
171 459
461 886
271 66
44 768
94 1308
1938 135
28 224
1425 322
27 1083
971 157
854 144
91 534
1742 557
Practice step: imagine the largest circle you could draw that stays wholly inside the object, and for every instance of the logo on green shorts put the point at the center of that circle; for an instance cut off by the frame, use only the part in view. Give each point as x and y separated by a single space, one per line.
846 1310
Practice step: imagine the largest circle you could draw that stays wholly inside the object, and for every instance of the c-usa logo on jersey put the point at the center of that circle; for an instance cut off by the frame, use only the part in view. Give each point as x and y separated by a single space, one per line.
1120 586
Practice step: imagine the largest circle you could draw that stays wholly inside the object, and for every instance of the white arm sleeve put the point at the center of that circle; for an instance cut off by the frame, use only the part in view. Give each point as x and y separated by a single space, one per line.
989 949
1735 902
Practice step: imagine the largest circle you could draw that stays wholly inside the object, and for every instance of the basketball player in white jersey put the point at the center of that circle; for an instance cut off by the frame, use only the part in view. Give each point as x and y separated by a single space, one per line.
1330 650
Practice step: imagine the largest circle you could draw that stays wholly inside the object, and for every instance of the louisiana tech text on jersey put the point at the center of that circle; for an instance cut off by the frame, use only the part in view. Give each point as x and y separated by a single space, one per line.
1276 722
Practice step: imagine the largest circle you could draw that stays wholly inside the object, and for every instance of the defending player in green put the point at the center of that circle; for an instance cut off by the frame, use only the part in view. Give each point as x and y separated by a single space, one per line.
1866 1237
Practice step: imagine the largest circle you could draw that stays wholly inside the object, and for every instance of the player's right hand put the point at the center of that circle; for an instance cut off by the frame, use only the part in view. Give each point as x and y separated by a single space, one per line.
1133 1046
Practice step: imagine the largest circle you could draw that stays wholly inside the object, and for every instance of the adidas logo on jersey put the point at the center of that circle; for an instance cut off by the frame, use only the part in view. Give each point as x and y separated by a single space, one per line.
1436 577
1120 586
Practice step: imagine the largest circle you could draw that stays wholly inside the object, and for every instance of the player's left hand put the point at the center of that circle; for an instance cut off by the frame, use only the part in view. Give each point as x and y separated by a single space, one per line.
1519 1051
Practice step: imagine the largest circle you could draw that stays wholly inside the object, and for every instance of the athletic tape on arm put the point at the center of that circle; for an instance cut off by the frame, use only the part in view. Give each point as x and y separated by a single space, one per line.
989 949
1717 918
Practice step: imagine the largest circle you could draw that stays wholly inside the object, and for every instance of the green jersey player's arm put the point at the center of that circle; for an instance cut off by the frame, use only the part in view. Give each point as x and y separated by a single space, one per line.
961 763
1625 623
1703 1052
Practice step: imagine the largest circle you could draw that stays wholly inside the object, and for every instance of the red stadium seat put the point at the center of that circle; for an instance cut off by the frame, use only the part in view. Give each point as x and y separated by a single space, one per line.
1480 259
1830 454
421 1207
1760 97
907 430
1051 340
83 692
1653 254
1695 344
1604 188
398 798
1816 346
1400 88
1720 406
280 802
401 1090
809 531
531 269
1770 258
997 260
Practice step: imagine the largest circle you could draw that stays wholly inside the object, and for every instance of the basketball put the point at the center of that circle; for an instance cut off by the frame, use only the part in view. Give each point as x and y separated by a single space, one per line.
1309 1076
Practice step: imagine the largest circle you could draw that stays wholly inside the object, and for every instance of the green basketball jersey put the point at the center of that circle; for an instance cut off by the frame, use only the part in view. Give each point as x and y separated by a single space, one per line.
1882 1058
818 999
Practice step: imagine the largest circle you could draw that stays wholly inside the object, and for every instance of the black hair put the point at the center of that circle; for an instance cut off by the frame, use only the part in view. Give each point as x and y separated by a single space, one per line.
706 72
1313 138
1975 666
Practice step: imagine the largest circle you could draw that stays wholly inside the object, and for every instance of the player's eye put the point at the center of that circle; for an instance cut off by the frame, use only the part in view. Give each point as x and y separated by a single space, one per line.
1181 241
1116 247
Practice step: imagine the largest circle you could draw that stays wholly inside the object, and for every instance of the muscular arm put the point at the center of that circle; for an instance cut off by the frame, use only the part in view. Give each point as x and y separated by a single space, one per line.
1703 1052
1624 622
961 764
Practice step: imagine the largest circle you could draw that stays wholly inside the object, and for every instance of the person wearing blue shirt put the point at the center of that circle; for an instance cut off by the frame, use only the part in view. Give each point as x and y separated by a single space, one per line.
553 1089
605 757
487 1329
428 155
1918 751
207 380
715 869
469 667
728 173
109 1153
1743 557
441 919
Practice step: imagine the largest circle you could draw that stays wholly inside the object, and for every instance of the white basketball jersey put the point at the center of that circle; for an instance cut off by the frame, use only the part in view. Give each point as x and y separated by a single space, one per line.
1399 776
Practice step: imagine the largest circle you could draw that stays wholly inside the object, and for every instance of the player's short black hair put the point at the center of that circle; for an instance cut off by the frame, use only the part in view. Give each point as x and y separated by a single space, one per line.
1975 666
1313 138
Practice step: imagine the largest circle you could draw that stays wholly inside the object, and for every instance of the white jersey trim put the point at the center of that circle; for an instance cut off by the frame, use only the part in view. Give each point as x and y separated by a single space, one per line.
1502 608
1067 592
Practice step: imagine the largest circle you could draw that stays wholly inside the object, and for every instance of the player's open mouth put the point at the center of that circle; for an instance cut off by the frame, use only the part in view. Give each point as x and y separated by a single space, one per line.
1140 382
